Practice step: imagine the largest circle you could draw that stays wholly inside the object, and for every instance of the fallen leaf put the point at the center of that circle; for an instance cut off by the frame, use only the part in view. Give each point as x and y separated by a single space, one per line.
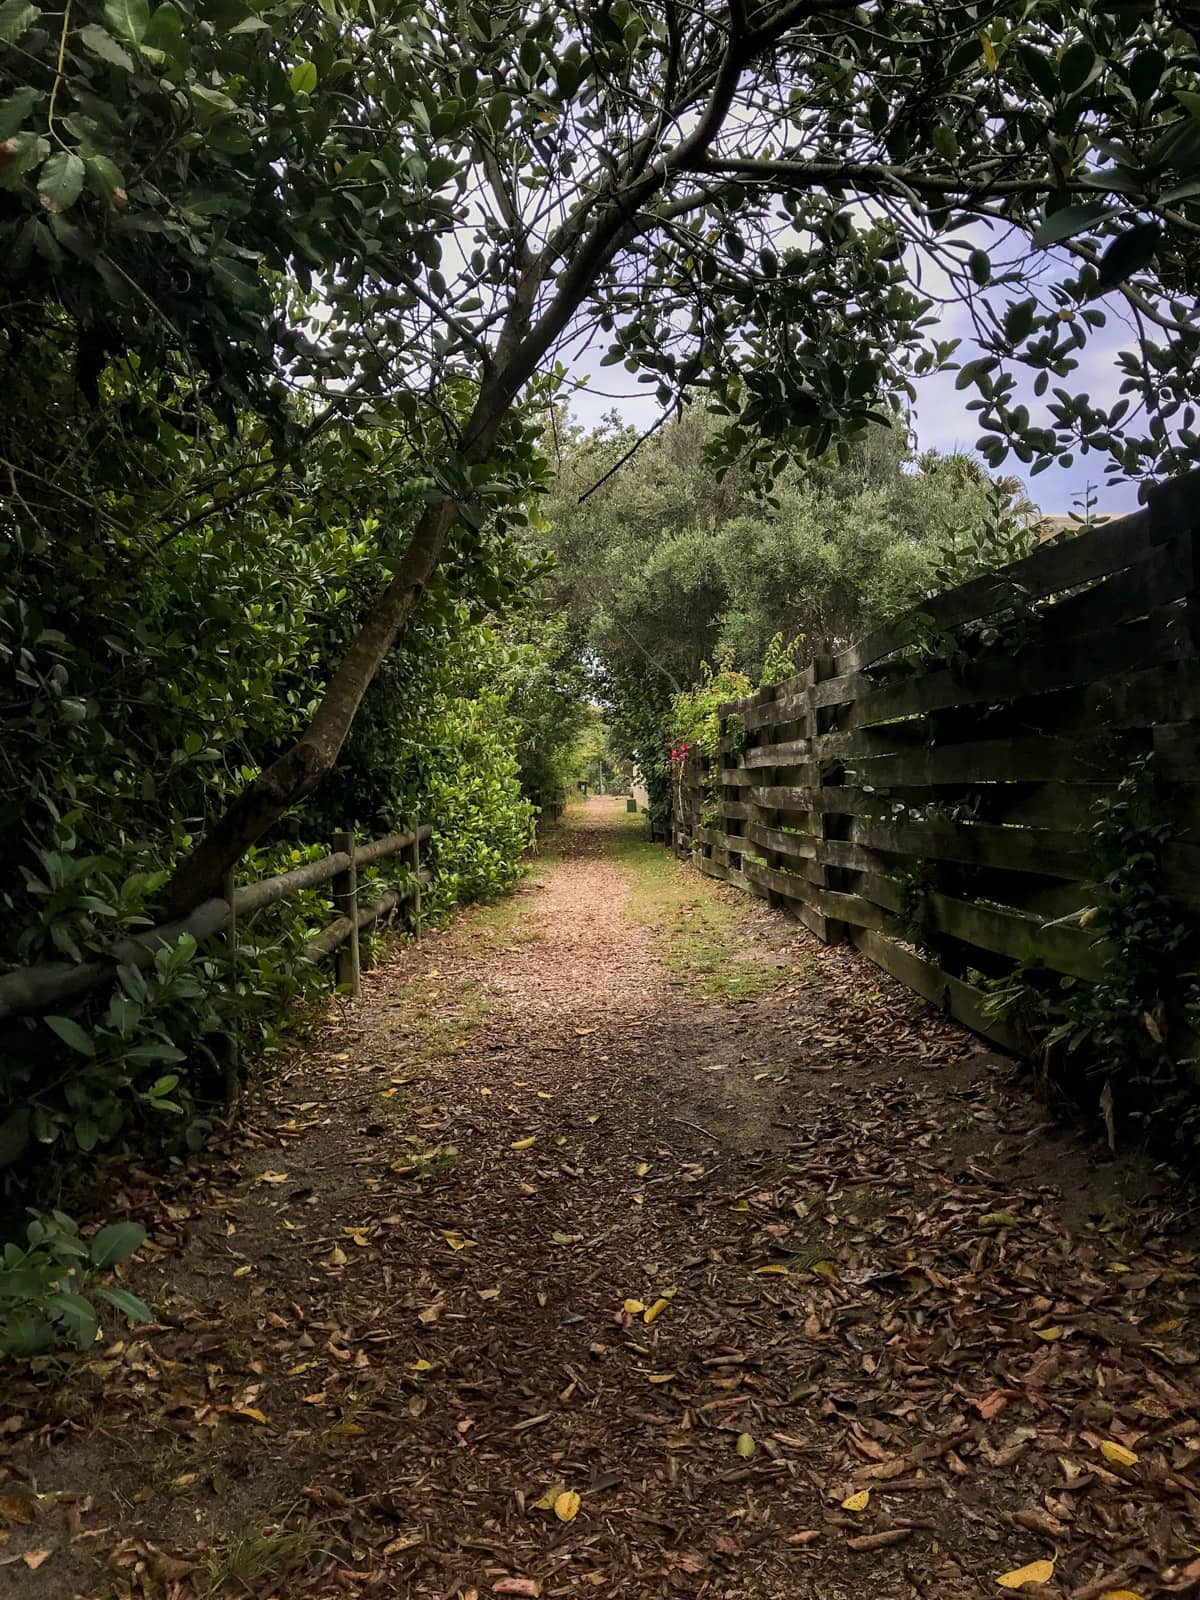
642 1168
420 1365
338 1257
772 1271
745 1445
804 1536
566 1238
254 1414
34 1558
16 1509
999 1219
1117 1454
1120 1594
547 1501
1035 1572
1050 1334
241 1272
566 1506
634 1308
272 1177
660 1377
523 1144
857 1502
457 1242
656 1310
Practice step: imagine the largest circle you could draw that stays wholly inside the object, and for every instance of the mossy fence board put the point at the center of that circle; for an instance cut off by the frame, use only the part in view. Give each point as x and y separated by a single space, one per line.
926 792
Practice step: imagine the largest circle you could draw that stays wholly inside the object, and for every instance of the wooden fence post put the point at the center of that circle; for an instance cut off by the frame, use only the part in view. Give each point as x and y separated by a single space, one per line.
414 915
233 1066
345 902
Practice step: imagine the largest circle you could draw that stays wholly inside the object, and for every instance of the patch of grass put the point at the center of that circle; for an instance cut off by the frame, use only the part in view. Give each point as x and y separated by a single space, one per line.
439 1015
506 921
699 928
254 1554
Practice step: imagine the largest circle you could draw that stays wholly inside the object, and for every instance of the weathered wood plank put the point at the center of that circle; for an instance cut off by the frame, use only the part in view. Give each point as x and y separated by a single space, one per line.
1066 949
984 761
1109 548
963 1001
1051 852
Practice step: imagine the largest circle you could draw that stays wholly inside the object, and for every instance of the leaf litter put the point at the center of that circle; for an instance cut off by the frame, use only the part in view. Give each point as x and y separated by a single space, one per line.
876 1324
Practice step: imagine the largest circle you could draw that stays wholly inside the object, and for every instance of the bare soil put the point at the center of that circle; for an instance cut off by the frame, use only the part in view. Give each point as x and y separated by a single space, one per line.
803 1296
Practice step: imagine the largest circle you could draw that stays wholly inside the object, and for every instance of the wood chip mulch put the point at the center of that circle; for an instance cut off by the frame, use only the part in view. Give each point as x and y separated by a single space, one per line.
534 1276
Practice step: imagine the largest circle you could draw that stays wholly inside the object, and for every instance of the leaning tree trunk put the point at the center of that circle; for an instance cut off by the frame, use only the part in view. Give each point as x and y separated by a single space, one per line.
301 768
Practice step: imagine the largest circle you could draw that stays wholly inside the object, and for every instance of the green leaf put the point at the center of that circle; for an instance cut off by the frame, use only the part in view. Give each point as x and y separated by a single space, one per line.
303 77
1145 74
1077 67
745 1446
1128 253
980 267
77 1315
136 1310
15 109
117 1243
103 176
101 43
1018 320
61 181
87 1133
1190 101
71 1033
16 18
1070 220
128 19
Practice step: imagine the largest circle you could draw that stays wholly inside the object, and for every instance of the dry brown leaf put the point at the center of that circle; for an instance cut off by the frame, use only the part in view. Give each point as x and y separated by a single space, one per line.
33 1559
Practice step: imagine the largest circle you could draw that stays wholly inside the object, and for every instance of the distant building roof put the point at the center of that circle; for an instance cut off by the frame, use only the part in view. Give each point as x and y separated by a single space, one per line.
1049 527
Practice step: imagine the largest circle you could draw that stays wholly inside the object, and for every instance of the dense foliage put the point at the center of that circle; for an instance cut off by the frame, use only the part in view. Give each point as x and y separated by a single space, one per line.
665 567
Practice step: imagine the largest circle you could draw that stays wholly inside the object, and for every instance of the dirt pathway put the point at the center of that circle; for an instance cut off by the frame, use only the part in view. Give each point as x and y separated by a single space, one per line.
629 1191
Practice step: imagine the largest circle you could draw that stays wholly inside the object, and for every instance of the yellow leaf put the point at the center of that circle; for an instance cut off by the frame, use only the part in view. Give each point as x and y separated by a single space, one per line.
857 1502
1035 1572
1167 1325
582 1031
745 1446
338 1257
659 1377
252 1412
1050 1334
241 1272
593 1120
420 1365
566 1506
566 1238
772 1272
350 1430
547 1501
826 1269
635 1307
1120 1594
302 1366
272 1177
989 55
656 1310
359 1235
642 1168
1117 1454
524 1144
457 1242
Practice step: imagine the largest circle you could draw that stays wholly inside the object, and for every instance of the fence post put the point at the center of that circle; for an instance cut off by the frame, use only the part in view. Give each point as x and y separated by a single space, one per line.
414 915
345 903
233 1065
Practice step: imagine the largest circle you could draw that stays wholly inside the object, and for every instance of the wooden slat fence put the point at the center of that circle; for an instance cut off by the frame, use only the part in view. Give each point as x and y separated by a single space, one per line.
951 761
